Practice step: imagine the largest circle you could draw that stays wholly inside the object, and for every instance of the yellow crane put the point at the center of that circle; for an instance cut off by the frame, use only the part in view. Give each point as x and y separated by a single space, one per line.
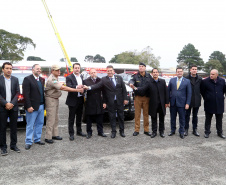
68 62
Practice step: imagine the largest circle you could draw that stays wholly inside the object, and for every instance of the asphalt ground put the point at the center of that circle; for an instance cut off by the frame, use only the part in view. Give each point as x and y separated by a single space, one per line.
129 160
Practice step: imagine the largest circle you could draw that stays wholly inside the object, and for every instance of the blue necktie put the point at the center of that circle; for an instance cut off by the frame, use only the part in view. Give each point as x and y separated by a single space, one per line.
112 82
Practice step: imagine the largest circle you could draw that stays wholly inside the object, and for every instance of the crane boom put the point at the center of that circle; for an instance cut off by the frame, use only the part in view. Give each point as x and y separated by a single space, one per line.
68 62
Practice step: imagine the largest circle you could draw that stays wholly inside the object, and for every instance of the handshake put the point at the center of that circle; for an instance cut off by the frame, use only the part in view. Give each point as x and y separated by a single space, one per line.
84 87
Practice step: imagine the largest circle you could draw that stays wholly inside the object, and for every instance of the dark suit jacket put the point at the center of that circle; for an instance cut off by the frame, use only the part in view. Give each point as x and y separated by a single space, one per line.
31 92
94 100
72 96
182 96
111 91
155 88
196 94
213 95
15 91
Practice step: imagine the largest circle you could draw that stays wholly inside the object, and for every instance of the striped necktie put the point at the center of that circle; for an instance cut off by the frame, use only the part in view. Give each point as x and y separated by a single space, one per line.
178 83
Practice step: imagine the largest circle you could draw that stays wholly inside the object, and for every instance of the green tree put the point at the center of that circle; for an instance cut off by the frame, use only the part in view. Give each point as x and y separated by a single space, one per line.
190 56
33 58
62 60
99 59
213 64
217 55
89 58
13 46
73 59
134 57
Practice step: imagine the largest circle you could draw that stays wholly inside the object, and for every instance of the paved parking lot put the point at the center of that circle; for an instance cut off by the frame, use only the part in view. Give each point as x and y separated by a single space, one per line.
129 160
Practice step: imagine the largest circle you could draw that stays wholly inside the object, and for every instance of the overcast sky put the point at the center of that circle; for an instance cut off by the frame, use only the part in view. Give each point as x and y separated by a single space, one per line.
109 27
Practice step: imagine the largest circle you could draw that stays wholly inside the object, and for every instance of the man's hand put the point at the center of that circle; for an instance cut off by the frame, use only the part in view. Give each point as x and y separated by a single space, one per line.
79 86
30 109
125 102
166 105
132 86
9 106
85 87
186 106
104 105
81 90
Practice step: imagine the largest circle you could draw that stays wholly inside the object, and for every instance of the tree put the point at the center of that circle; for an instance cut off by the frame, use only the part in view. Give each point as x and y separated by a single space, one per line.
217 55
73 59
134 57
13 46
62 60
89 58
99 59
190 56
32 58
213 64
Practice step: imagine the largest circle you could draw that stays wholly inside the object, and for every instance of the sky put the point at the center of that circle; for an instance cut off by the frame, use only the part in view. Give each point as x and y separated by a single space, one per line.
109 27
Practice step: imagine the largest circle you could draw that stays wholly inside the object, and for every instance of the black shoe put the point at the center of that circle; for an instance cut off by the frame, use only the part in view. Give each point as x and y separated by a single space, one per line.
147 133
182 136
50 141
27 147
122 134
81 134
162 134
71 138
135 133
113 134
4 152
40 143
153 134
195 133
206 135
186 132
15 149
171 133
57 138
221 136
102 134
88 136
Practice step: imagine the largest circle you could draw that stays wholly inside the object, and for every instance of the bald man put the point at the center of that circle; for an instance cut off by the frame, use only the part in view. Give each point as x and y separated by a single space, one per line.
212 90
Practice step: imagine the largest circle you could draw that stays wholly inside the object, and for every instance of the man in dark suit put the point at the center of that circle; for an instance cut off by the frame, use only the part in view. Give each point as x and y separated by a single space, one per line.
159 100
9 92
33 91
114 97
195 80
179 89
213 89
75 101
94 105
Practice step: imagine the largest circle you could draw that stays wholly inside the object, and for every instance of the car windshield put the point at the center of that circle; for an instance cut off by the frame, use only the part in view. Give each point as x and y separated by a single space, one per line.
21 76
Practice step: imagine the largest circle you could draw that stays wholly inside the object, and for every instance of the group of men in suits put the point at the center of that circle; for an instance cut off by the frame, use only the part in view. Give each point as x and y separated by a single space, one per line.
151 94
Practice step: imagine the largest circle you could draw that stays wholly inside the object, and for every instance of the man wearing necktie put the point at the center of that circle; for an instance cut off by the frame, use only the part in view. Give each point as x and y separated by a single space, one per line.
180 93
115 97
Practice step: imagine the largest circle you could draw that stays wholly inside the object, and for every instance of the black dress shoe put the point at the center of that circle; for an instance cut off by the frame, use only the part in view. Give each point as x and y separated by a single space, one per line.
81 134
153 134
88 136
15 149
122 134
71 138
40 143
206 135
102 134
162 134
27 147
4 152
113 134
221 136
57 138
195 133
186 132
171 133
135 133
147 133
182 136
50 141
